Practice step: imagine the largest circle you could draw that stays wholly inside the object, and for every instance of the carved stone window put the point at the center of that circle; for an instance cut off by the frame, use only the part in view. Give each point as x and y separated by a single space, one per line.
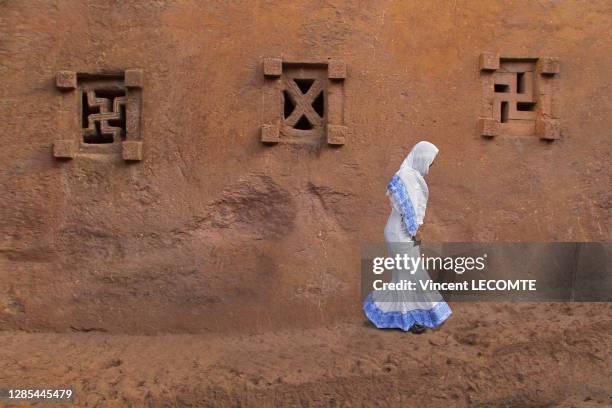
100 113
518 95
103 114
303 102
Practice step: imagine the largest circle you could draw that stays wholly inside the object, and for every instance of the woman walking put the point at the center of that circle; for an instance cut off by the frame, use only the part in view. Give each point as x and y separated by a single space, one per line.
409 310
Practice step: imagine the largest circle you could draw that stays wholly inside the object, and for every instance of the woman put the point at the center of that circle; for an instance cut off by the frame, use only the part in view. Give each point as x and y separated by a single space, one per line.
413 310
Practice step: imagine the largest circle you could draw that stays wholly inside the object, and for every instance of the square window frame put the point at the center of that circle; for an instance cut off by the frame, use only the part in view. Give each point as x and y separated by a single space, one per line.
70 85
545 124
276 71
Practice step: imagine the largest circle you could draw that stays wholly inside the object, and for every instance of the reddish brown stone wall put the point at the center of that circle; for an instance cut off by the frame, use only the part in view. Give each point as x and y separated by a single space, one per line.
214 230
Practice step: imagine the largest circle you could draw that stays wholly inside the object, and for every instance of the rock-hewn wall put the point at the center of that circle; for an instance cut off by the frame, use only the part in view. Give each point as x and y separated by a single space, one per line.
215 231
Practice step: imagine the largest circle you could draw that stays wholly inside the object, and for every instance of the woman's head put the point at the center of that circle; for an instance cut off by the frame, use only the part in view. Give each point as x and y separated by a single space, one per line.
421 157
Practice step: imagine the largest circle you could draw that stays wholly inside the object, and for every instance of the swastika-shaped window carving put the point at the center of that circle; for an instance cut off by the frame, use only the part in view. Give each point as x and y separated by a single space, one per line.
103 118
101 113
514 93
519 97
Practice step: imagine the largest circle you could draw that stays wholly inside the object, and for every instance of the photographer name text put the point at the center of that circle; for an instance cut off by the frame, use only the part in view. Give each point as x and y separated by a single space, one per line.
473 285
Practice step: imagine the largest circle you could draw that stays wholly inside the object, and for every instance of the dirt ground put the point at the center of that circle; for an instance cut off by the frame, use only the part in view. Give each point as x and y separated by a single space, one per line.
490 354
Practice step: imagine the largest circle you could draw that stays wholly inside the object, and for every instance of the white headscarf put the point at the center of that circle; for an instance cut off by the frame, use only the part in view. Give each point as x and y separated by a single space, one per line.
414 167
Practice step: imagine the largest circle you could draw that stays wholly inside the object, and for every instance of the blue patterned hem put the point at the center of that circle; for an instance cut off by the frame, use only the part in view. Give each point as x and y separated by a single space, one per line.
431 318
400 197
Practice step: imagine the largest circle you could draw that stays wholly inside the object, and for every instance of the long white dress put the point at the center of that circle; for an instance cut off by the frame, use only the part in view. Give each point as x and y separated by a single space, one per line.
404 308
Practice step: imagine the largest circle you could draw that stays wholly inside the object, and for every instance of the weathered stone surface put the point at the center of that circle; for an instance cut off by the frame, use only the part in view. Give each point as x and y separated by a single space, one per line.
549 66
336 135
215 231
273 67
131 150
488 127
336 69
134 78
489 61
66 80
65 149
269 134
548 129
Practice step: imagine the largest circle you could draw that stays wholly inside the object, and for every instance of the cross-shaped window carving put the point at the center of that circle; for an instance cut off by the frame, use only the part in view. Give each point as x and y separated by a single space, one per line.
304 103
